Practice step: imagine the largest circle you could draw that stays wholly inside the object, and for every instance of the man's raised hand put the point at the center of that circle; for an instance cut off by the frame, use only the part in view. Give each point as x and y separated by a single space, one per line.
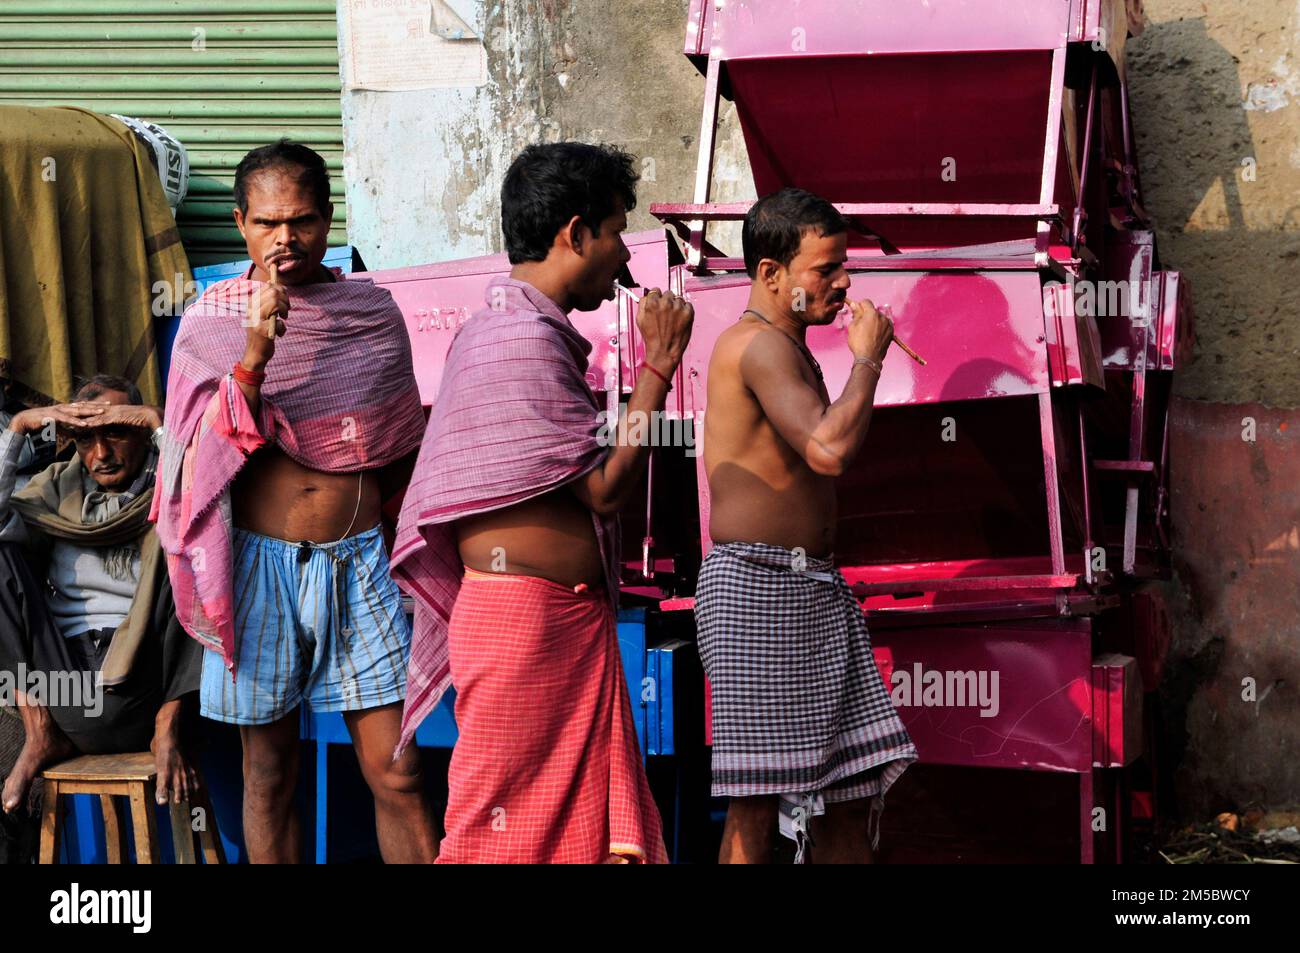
79 414
131 415
869 331
664 320
267 309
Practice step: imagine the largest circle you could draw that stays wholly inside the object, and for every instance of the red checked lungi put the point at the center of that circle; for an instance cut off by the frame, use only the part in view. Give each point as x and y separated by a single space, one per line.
552 772
547 766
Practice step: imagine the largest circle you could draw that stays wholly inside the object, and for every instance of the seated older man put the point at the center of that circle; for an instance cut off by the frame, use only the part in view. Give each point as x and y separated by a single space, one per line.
90 649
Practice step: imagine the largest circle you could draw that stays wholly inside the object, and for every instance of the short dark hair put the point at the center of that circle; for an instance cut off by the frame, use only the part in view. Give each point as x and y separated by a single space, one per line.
286 155
92 388
776 224
548 184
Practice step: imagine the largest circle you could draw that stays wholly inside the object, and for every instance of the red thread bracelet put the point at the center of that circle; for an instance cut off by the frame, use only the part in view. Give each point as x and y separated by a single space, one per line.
244 376
657 374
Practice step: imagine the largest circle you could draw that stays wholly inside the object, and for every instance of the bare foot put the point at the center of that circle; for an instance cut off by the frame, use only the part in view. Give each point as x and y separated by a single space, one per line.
39 750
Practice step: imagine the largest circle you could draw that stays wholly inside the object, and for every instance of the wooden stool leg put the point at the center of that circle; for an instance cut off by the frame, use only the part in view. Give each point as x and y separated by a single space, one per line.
114 832
49 851
142 819
182 833
209 837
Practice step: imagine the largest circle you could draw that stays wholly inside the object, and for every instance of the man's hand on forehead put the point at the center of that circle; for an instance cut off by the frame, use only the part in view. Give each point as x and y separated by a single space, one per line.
115 420
128 415
77 414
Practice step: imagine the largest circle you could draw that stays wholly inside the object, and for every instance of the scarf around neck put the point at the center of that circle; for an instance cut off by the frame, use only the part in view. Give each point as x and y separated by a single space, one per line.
53 506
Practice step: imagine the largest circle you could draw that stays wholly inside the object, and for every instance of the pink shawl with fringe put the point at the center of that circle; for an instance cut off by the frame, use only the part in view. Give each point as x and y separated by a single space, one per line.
339 396
514 419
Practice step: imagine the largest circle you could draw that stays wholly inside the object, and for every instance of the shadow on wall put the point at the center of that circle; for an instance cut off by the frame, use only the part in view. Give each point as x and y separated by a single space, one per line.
1187 84
1227 210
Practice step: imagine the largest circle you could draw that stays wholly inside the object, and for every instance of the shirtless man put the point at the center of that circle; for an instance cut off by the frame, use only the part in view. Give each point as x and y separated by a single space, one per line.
306 541
800 715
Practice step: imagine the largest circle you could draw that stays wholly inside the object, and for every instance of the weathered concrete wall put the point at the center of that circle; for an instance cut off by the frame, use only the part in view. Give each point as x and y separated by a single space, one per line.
558 69
1215 93
1212 85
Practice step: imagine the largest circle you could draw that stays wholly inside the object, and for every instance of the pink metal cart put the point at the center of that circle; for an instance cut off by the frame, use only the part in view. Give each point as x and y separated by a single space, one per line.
1011 497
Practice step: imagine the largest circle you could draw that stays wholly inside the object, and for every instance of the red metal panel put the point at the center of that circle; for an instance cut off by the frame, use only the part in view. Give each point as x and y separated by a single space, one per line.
1043 691
955 575
1129 259
980 333
1176 332
1008 695
1151 633
1073 344
1116 711
922 131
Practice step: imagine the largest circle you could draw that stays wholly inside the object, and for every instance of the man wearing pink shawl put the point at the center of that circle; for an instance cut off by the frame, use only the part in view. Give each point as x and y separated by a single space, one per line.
292 415
508 536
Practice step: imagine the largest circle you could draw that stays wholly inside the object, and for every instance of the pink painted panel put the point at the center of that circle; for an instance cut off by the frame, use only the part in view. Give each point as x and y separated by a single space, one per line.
1032 710
1042 672
436 299
766 27
981 333
771 28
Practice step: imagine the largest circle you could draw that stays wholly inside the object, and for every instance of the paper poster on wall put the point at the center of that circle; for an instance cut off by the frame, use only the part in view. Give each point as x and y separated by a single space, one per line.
409 44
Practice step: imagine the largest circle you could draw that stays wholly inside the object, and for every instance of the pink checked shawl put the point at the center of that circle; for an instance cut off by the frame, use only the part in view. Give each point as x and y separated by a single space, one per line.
339 396
514 419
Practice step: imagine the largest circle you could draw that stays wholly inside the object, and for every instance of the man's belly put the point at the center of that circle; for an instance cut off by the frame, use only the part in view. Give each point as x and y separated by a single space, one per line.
787 510
551 537
275 495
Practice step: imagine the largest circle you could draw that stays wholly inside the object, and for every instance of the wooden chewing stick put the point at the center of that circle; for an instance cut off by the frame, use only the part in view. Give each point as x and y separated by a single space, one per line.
888 312
910 353
274 271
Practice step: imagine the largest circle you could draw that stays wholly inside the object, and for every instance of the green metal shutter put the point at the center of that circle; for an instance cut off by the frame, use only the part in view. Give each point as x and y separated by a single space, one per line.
268 68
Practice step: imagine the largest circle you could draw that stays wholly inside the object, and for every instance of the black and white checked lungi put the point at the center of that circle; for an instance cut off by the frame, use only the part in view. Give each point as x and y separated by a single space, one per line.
799 706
